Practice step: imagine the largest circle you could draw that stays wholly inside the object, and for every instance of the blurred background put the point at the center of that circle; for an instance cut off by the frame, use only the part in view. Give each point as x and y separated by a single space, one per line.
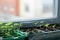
14 10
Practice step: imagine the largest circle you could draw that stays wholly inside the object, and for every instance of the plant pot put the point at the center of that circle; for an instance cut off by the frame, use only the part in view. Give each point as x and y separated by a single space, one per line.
13 38
52 35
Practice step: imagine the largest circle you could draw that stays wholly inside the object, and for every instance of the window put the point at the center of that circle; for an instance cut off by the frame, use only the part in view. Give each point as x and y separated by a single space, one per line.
39 9
33 10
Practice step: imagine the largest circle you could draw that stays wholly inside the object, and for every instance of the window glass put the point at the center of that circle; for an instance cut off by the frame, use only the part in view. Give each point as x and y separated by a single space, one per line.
29 10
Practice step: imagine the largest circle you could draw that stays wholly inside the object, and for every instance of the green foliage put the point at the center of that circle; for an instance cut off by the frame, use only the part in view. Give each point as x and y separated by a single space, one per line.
42 22
1 23
6 29
21 24
8 23
46 25
16 24
36 23
54 26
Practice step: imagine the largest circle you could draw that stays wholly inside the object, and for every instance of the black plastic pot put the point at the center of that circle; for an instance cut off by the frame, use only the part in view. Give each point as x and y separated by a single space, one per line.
52 35
15 38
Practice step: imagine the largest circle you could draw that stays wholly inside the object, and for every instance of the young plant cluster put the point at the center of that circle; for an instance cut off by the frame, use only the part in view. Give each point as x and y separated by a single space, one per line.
42 27
9 29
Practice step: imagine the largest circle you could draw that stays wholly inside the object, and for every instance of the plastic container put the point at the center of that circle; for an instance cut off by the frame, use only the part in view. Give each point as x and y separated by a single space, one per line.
16 38
53 35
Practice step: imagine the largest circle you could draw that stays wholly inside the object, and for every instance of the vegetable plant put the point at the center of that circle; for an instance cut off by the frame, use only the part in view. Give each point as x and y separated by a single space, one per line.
46 25
36 23
41 24
54 26
9 29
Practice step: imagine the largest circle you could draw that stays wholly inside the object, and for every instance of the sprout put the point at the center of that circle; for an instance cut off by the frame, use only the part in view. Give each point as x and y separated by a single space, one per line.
41 25
20 24
7 34
36 23
1 22
6 29
16 24
54 26
8 23
41 21
46 25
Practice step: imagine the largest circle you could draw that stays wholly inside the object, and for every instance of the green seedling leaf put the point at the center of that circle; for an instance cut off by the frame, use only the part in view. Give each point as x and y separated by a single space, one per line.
8 23
20 24
16 24
41 21
1 22
41 25
9 29
4 27
53 26
11 26
7 34
46 25
36 23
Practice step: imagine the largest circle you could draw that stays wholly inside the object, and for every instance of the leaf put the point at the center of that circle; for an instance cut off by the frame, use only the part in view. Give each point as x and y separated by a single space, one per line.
53 26
36 23
20 24
8 23
41 21
16 24
1 22
7 34
46 25
4 27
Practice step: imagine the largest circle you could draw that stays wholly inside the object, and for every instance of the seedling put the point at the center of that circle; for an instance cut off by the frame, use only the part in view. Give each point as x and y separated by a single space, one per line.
21 24
1 23
46 25
16 24
41 23
8 23
35 23
7 28
54 26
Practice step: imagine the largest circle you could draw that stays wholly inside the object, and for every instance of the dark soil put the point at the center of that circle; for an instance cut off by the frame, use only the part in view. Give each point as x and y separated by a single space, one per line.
43 28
